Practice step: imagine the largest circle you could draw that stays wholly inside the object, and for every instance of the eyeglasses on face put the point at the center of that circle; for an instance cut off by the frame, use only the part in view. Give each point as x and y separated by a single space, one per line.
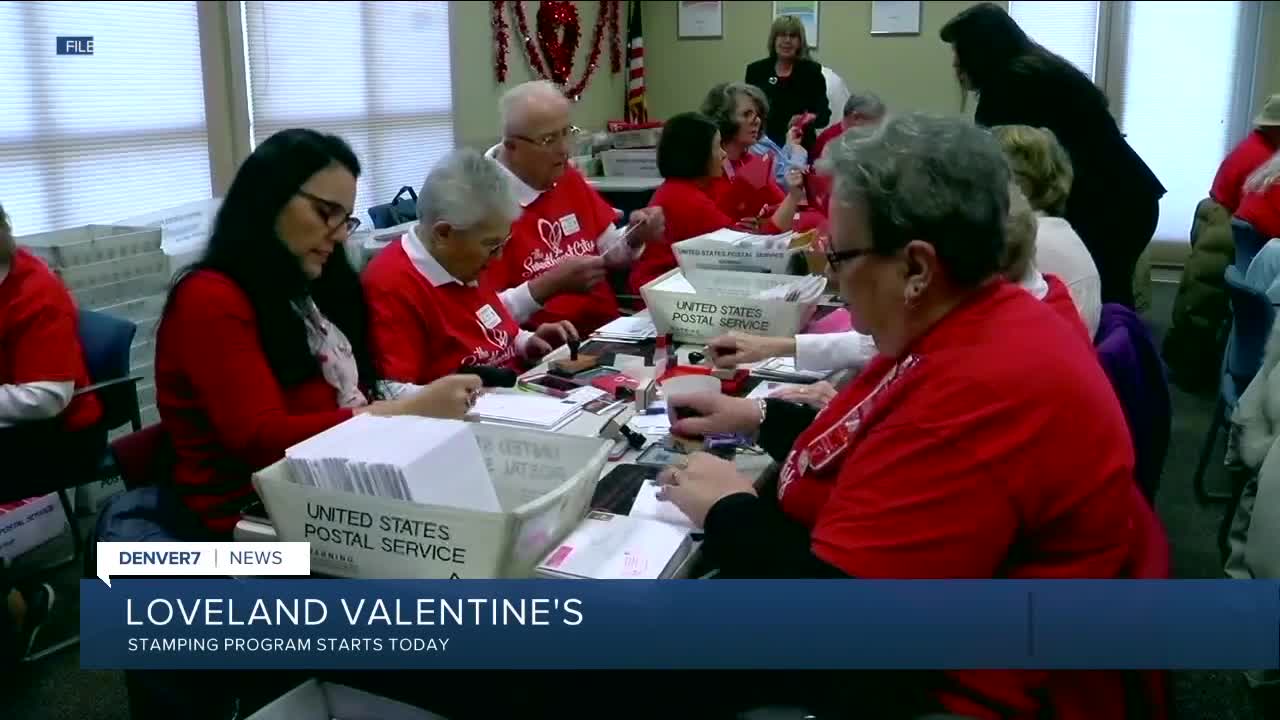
551 139
333 214
835 257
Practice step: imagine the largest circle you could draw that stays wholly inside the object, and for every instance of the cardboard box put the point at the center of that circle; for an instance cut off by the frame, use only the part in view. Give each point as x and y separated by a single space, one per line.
27 524
100 296
544 483
723 302
86 277
90 497
91 244
316 700
630 163
705 253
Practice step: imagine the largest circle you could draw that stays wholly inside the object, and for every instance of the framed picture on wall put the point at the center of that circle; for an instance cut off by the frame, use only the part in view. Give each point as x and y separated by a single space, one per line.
895 17
805 11
700 19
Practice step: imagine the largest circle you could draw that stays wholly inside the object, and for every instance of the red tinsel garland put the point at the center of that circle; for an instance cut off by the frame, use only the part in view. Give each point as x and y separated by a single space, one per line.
500 37
551 16
559 49
615 41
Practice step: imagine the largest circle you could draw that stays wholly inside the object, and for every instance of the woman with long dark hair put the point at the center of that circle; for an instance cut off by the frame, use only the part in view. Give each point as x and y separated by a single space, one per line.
264 342
1114 201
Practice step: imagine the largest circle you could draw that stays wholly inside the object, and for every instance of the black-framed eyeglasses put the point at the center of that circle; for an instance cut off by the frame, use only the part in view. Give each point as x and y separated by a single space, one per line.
551 139
835 257
333 214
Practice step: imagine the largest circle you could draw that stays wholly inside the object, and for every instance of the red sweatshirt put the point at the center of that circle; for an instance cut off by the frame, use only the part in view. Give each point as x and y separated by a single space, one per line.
970 460
39 340
563 221
748 190
688 210
220 402
425 324
1262 210
1228 184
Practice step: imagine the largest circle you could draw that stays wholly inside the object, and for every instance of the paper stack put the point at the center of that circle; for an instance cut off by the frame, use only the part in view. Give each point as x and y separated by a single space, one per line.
530 410
422 460
647 506
606 546
736 238
633 329
784 369
806 289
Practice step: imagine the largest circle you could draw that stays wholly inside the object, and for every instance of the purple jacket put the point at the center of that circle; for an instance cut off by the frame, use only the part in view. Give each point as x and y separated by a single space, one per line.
1132 362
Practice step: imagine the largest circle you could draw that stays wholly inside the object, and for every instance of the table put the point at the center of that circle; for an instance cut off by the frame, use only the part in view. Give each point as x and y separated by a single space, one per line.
627 194
754 466
624 184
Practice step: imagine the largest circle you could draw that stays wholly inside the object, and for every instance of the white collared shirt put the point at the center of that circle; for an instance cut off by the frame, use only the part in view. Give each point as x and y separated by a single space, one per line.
431 269
609 244
852 349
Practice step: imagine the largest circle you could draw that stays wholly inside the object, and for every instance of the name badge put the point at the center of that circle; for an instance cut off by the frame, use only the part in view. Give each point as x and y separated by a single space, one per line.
489 317
569 224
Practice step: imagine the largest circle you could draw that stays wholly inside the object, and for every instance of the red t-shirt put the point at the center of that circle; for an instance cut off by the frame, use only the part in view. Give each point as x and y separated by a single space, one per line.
39 339
563 221
688 210
748 190
224 410
969 459
1262 210
422 332
1228 184
825 137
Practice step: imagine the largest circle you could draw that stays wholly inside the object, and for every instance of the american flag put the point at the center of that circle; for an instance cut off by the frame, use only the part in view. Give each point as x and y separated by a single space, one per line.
636 109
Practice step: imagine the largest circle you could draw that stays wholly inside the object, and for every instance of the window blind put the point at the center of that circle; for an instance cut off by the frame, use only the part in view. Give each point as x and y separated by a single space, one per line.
1066 27
376 74
95 138
1176 100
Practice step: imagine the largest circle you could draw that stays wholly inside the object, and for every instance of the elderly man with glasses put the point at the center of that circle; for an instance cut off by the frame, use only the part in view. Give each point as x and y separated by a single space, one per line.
565 238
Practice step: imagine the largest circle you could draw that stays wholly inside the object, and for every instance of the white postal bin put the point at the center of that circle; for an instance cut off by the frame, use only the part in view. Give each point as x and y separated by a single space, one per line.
544 483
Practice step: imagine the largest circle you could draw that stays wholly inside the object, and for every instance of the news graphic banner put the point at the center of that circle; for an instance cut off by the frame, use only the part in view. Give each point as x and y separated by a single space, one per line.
314 624
236 559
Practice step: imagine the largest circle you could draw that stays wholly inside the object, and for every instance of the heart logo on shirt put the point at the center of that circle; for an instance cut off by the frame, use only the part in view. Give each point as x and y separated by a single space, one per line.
551 233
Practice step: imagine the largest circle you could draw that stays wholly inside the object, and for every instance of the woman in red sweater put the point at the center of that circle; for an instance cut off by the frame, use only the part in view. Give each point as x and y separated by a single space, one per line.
1260 203
959 452
432 307
746 190
692 159
263 342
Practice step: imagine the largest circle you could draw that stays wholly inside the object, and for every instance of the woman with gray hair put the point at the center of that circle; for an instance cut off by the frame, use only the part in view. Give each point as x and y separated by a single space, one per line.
431 310
746 190
959 452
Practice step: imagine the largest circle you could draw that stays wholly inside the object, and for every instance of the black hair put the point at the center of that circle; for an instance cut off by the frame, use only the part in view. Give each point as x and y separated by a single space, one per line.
684 150
244 247
989 45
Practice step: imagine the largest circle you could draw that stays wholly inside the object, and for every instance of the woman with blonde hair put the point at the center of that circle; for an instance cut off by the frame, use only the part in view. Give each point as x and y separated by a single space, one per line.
1043 171
792 82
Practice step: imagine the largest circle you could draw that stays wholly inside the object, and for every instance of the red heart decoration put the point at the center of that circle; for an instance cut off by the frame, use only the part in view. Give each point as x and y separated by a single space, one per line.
559 49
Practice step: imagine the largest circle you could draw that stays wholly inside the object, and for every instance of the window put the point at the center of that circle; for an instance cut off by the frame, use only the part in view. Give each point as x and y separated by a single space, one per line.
1175 95
376 74
95 138
1068 28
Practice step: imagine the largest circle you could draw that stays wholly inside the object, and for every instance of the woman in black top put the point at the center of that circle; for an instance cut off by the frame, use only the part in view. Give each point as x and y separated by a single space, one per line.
791 81
1114 202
